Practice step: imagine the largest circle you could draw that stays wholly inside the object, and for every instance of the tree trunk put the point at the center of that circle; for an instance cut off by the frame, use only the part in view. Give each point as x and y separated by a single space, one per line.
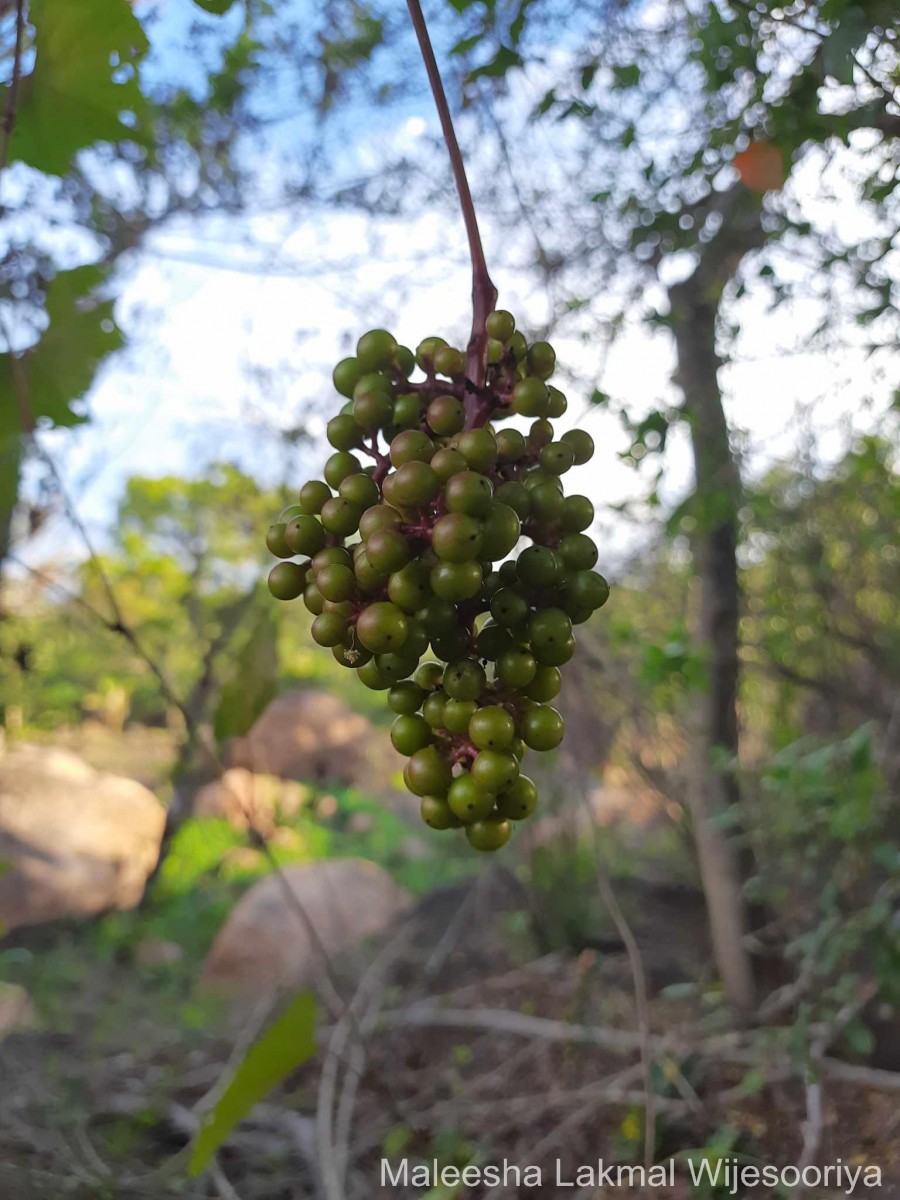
715 787
10 465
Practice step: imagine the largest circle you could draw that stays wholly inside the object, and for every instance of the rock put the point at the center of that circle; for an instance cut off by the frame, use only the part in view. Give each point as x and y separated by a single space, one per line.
74 841
315 737
245 799
16 1009
266 944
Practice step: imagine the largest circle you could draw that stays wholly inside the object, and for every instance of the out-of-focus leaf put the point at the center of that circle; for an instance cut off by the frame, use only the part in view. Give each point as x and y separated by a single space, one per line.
466 44
58 369
627 76
501 64
280 1050
217 7
252 681
83 83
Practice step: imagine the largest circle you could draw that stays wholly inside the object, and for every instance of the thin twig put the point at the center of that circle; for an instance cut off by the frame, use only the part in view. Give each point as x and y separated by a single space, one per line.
639 986
484 294
12 99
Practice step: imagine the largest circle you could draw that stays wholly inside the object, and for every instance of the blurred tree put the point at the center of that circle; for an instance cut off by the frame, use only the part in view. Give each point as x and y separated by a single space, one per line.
691 124
822 620
97 146
185 564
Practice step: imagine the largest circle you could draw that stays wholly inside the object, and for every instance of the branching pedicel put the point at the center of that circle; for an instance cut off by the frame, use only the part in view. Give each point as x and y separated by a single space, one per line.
410 552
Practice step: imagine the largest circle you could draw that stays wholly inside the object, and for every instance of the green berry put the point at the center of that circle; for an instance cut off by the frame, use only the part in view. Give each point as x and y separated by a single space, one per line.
492 728
478 447
410 733
577 514
545 685
379 516
469 801
287 580
509 608
510 445
542 727
406 698
359 490
449 361
582 444
346 376
576 551
426 350
446 415
531 397
448 462
428 676
409 588
541 359
516 668
415 484
411 446
336 582
371 677
375 350
387 550
501 325
468 492
557 458
464 680
537 567
515 496
495 770
343 432
519 800
339 466
313 495
340 516
437 813
304 535
458 714
329 629
456 538
501 529
488 835
428 773
275 541
381 627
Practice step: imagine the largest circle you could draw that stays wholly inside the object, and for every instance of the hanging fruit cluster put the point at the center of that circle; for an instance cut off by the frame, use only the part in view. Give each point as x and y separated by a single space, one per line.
410 550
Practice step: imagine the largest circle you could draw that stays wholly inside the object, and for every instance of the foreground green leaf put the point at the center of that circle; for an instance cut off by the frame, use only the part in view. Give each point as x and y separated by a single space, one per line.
84 88
280 1050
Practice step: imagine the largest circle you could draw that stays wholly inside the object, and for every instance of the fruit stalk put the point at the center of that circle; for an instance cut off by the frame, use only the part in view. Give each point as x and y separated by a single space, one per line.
484 294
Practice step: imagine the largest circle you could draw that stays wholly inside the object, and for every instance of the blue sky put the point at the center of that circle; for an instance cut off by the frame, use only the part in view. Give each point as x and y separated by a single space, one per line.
234 324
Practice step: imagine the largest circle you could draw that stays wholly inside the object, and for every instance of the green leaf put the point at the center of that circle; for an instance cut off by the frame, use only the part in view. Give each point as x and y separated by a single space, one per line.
280 1050
84 81
467 44
252 681
217 7
60 367
627 76
502 62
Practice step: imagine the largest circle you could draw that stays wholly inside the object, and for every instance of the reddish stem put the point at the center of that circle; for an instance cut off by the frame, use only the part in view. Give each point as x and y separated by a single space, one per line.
484 294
